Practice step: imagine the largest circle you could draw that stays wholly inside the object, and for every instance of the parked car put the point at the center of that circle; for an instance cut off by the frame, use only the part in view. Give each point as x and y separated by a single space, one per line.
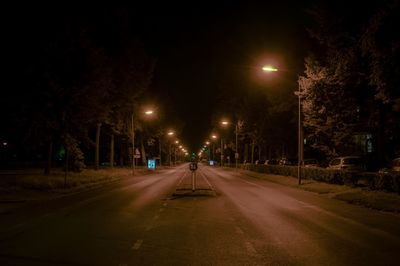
286 161
271 162
349 163
310 163
393 167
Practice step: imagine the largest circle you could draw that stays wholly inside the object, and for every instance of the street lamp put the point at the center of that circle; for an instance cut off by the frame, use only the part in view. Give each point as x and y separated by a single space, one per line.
176 142
225 123
147 113
299 130
214 137
170 134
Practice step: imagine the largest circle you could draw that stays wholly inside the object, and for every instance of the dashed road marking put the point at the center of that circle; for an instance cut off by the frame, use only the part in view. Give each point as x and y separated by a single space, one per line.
149 227
137 245
250 248
239 231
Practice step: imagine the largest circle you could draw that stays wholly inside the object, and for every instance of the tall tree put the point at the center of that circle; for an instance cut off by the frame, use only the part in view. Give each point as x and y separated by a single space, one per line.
380 46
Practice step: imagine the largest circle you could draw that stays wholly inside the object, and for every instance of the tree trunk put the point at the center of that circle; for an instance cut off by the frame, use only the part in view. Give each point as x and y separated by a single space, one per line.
381 136
246 152
112 151
121 153
97 156
47 168
252 152
66 165
143 153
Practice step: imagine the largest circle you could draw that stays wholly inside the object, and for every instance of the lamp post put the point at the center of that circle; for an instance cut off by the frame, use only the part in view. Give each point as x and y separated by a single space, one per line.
300 138
148 112
176 143
133 145
300 127
170 134
236 146
214 137
225 123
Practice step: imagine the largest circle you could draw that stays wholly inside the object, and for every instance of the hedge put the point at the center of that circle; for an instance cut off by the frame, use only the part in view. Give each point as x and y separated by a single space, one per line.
373 180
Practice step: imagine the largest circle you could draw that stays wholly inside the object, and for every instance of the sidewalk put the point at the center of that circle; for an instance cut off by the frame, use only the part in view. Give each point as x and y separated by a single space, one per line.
373 199
197 186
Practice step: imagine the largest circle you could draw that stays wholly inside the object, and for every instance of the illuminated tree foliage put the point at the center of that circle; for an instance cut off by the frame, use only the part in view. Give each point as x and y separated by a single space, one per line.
354 69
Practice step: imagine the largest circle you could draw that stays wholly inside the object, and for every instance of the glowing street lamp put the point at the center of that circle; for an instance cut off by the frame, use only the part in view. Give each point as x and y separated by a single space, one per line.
170 134
269 69
225 123
300 142
148 112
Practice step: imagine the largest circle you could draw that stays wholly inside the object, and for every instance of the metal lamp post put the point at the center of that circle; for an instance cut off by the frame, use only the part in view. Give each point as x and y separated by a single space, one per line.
236 147
300 137
147 113
133 145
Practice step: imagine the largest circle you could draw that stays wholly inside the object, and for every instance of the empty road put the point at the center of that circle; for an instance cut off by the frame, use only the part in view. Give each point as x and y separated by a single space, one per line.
231 219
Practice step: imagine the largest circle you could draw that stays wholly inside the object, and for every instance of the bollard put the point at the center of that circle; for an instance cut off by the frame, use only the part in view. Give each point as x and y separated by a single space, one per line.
193 168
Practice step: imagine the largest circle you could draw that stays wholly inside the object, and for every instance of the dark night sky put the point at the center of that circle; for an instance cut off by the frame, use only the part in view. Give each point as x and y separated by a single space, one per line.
196 44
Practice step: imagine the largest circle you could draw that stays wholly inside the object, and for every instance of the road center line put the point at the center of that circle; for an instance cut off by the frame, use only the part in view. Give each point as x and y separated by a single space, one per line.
250 248
239 231
208 182
180 181
137 245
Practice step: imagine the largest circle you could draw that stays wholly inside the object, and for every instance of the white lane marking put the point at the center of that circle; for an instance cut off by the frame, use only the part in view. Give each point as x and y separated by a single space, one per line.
149 227
208 182
137 245
250 248
251 183
183 176
239 231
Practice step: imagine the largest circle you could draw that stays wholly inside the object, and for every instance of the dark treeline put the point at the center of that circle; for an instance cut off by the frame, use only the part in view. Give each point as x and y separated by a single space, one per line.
77 78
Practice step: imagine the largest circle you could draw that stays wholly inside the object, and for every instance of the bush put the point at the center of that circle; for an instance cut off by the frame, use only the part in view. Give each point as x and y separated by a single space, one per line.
377 181
389 182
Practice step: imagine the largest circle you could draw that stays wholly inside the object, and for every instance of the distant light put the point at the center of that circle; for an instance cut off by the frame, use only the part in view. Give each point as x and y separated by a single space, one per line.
170 133
207 142
269 69
149 112
224 123
214 136
5 143
176 141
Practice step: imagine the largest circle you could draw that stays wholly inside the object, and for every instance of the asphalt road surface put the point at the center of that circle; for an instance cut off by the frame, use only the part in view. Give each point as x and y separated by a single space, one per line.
229 219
